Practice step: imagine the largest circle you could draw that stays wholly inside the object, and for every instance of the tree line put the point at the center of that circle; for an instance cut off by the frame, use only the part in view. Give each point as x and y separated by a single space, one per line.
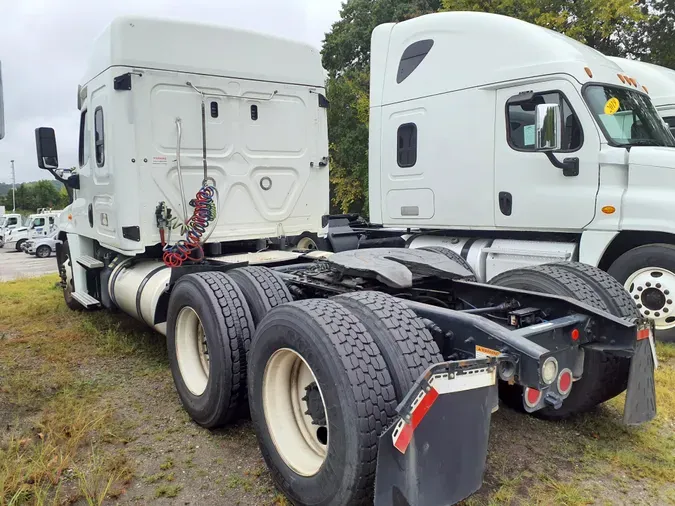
640 29
31 196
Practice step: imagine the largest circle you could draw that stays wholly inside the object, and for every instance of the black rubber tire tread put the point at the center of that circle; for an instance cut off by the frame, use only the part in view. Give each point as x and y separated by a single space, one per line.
227 321
18 244
242 316
262 288
455 258
605 376
356 376
42 248
406 345
615 296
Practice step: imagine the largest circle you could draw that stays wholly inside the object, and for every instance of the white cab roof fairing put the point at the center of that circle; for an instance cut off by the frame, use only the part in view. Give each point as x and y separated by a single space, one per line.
660 81
475 49
195 48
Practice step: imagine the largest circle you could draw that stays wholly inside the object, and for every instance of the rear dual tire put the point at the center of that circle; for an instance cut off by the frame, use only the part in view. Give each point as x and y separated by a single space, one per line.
209 328
604 376
364 350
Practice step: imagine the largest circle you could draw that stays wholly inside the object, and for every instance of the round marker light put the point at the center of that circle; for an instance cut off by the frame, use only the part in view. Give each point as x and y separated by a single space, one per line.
565 381
549 371
575 334
532 396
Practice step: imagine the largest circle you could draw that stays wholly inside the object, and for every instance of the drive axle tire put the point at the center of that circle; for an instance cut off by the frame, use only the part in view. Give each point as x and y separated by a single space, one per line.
605 376
454 257
320 396
209 328
263 289
648 274
406 345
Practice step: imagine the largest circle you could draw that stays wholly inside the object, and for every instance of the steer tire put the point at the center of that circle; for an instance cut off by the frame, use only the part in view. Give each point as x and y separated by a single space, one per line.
19 243
454 257
605 376
659 256
406 345
64 263
355 386
263 289
228 325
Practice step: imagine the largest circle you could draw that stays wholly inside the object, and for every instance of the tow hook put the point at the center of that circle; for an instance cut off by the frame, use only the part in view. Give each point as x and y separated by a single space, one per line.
553 399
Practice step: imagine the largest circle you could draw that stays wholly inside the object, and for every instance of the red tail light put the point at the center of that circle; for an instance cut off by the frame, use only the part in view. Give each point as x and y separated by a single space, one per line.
565 381
532 397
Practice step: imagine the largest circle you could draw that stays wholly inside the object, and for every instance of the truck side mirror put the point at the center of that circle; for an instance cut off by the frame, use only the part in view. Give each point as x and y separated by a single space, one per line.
45 142
548 134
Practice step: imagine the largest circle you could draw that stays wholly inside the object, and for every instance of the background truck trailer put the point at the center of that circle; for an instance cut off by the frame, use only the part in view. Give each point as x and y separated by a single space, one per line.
354 365
455 155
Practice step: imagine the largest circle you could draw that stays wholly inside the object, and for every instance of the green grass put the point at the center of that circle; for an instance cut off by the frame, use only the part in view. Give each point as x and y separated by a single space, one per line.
68 443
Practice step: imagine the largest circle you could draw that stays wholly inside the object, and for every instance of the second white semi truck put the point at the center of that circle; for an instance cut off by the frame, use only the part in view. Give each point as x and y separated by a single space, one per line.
370 374
457 157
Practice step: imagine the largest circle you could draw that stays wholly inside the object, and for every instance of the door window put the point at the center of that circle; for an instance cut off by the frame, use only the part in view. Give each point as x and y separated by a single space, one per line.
670 121
520 122
38 222
99 137
85 139
11 221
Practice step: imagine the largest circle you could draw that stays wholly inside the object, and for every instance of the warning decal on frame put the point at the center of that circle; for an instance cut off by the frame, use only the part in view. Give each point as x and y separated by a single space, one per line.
612 106
482 352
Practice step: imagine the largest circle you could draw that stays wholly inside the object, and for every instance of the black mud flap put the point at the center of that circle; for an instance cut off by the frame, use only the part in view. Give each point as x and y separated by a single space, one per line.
640 404
435 452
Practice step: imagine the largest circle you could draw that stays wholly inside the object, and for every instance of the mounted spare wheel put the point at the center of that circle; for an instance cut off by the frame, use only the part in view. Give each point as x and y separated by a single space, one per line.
66 274
320 396
648 274
604 376
209 328
311 242
406 345
262 288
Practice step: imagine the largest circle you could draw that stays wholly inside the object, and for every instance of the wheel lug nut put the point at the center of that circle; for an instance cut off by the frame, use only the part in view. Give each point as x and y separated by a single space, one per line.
648 283
658 285
646 311
639 306
667 292
665 309
636 297
657 314
639 288
669 301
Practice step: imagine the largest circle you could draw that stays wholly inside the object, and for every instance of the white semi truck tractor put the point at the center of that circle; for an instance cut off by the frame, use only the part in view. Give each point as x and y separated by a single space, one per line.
523 147
370 374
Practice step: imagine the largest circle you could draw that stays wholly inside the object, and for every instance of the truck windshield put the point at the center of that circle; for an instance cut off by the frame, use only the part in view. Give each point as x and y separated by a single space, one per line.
627 117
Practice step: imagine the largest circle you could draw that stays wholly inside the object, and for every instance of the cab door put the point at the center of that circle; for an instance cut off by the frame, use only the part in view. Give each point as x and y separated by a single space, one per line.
530 192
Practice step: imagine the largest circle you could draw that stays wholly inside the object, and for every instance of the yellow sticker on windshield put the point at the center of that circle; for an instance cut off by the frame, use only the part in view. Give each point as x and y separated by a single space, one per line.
612 105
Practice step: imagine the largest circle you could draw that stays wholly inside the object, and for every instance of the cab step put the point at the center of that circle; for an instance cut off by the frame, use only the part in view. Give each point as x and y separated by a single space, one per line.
89 262
85 299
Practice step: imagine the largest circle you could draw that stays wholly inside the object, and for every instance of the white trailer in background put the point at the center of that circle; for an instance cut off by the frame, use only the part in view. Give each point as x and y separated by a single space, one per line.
456 155
202 148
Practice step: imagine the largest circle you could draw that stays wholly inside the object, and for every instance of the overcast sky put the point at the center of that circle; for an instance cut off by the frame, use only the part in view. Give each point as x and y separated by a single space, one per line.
44 46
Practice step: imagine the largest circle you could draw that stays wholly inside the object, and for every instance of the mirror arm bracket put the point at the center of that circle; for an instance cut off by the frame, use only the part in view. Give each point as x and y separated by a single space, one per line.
569 166
72 181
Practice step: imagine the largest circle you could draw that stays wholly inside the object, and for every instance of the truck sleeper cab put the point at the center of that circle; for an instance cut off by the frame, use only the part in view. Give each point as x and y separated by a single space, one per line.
456 152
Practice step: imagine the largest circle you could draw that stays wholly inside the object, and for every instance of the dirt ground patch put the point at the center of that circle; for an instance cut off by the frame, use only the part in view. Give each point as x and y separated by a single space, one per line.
89 415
